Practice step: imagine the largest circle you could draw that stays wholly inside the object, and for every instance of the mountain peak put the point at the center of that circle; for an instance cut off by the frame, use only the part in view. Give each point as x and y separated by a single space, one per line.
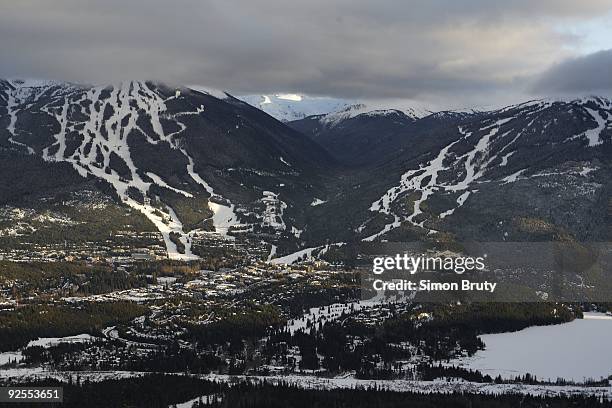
287 107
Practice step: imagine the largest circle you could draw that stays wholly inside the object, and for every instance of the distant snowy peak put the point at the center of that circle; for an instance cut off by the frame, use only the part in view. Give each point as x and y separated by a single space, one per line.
455 114
291 107
288 107
593 100
352 111
32 83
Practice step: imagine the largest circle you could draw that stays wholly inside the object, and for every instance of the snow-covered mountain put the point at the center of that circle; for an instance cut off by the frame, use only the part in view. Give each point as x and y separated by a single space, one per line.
167 152
334 118
187 162
359 134
292 107
288 107
540 168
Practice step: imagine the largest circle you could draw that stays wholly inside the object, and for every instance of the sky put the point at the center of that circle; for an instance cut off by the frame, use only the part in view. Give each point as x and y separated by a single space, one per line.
444 53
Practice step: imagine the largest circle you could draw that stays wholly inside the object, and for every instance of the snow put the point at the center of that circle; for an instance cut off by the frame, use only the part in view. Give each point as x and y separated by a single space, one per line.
373 109
352 111
424 180
317 201
272 253
157 180
422 387
290 97
447 213
291 258
274 210
224 217
311 382
475 170
195 176
592 135
412 180
460 201
505 158
206 399
47 342
574 351
513 177
307 252
210 91
388 227
103 135
296 232
462 198
10 356
137 295
597 316
30 372
12 105
284 161
166 224
113 333
125 99
288 107
326 314
586 170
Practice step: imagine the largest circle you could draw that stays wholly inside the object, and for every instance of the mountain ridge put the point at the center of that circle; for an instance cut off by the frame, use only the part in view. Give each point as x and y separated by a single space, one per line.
194 165
121 134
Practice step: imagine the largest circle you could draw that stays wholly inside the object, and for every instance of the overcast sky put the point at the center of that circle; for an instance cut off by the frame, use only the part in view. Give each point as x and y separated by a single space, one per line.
448 53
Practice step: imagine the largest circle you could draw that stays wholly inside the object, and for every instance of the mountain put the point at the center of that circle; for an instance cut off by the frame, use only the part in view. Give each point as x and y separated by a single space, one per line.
288 107
538 170
145 164
360 136
186 160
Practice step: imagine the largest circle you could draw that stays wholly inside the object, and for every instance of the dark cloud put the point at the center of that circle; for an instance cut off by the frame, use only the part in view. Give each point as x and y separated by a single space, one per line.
586 74
435 50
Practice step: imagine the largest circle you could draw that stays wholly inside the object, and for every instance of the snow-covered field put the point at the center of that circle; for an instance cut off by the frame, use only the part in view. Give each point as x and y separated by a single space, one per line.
47 342
574 351
425 387
307 253
10 357
325 314
205 399
322 383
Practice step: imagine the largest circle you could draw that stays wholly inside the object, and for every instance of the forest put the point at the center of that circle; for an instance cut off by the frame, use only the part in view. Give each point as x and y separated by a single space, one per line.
27 323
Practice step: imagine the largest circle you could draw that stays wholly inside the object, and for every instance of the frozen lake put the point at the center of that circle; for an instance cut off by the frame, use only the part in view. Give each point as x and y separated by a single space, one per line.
575 351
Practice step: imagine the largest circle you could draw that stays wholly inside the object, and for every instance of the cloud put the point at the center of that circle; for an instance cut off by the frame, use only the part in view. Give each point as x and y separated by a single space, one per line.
468 51
578 76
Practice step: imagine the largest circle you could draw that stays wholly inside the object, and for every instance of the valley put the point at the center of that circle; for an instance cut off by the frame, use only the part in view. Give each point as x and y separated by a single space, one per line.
149 229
